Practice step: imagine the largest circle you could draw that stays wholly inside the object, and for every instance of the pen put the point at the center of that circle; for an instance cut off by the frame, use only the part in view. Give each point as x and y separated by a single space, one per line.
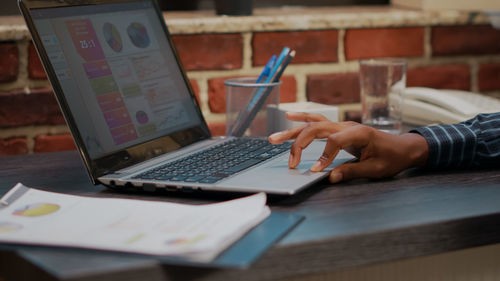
285 63
281 57
270 78
275 77
267 69
241 124
246 116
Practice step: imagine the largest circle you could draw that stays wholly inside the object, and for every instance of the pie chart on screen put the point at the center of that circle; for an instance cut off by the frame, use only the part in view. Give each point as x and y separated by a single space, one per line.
142 117
138 35
112 37
36 210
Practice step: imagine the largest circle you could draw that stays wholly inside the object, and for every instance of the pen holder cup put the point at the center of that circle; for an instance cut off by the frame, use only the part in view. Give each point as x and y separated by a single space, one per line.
246 103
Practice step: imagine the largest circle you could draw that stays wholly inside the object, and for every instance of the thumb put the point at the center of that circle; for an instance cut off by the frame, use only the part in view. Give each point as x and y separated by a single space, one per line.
347 171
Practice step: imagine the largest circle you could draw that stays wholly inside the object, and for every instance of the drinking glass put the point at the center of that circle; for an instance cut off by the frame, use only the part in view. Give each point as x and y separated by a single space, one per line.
246 106
382 82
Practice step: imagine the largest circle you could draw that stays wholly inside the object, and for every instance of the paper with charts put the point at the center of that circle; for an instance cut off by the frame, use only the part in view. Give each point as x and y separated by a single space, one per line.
195 232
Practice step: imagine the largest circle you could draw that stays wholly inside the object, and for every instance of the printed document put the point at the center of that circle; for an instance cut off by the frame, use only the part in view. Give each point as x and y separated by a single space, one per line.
196 232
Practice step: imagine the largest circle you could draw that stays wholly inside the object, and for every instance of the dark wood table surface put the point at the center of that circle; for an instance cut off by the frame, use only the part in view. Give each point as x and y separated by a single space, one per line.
360 222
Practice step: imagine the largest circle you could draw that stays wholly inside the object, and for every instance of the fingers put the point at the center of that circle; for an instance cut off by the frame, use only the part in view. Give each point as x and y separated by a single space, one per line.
305 117
305 134
326 126
309 133
293 133
282 136
356 137
303 139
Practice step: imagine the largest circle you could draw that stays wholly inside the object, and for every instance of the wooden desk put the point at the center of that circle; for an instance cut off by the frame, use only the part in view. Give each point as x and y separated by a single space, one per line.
347 226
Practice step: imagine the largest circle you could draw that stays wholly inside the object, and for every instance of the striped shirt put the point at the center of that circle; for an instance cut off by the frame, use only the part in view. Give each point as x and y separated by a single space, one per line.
472 143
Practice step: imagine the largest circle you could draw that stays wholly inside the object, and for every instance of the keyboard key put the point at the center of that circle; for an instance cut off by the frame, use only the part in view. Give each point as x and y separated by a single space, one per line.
194 179
246 164
264 156
178 178
164 177
211 179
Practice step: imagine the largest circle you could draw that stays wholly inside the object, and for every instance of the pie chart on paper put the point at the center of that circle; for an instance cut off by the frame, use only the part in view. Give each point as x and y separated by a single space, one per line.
36 210
9 227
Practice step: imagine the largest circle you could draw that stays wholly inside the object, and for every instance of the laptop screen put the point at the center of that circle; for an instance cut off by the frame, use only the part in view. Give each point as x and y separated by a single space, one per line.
118 73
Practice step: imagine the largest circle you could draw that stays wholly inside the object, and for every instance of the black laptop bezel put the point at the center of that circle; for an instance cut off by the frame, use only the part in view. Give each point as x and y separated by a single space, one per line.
125 157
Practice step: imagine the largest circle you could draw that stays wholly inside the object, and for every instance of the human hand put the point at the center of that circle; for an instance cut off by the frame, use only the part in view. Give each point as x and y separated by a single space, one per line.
380 154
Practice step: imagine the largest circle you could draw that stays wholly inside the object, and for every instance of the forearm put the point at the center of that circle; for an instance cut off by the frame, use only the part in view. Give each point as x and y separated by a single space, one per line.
475 142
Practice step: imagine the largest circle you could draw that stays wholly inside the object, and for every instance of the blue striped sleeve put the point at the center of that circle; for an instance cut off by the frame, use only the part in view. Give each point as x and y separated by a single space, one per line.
475 142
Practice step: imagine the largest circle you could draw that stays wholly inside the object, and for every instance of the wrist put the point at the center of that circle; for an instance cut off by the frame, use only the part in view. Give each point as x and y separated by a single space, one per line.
417 148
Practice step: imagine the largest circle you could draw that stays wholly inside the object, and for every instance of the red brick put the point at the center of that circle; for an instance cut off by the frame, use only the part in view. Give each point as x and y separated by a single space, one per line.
333 88
13 146
489 77
217 92
35 68
465 40
54 143
210 51
384 42
288 90
440 76
9 62
196 89
217 128
37 108
311 46
353 116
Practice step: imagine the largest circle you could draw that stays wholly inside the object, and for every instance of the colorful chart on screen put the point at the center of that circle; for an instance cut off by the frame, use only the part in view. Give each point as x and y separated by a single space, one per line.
9 227
112 37
36 210
138 35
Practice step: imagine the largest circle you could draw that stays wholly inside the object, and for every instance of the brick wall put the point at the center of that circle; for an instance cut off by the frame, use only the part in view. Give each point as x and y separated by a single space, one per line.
325 70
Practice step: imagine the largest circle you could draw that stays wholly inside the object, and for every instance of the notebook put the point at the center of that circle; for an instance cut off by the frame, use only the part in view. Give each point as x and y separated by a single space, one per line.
131 110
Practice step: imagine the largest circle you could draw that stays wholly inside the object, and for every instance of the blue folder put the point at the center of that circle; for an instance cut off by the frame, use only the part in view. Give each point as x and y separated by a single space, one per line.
59 260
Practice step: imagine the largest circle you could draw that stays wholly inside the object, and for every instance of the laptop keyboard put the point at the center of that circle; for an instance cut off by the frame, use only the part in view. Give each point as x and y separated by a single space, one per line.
216 163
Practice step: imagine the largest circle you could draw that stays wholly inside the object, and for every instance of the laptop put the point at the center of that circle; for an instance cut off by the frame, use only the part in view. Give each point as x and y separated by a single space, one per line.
132 113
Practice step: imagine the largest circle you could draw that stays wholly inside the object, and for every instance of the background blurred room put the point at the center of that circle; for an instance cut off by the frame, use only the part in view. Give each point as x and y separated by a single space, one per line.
9 7
444 49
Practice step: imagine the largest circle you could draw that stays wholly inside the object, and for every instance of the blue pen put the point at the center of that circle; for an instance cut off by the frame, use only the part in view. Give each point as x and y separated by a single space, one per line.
282 56
267 69
246 115
269 78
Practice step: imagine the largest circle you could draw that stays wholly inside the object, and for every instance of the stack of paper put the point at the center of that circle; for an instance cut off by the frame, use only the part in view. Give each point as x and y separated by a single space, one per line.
198 233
